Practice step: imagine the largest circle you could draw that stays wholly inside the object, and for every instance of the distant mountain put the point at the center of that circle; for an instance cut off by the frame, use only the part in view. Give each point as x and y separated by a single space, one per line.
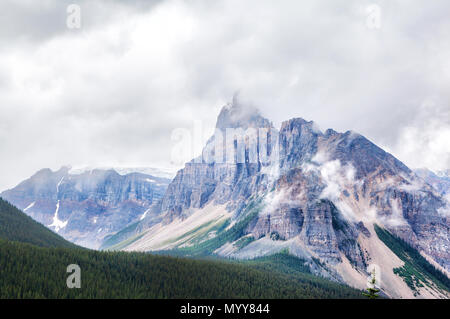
16 226
444 173
167 173
320 196
86 206
440 180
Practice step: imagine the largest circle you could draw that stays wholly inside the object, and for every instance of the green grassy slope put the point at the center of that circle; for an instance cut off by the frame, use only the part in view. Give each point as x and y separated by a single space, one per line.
205 247
417 271
121 239
16 226
27 271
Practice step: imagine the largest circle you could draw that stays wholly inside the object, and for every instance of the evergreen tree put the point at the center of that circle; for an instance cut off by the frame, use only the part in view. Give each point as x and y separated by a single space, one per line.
372 291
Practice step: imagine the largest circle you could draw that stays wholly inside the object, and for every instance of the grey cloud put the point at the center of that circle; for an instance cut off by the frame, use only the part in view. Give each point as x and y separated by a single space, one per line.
113 92
29 22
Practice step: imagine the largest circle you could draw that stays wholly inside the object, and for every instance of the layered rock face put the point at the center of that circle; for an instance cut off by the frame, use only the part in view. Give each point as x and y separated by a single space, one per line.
365 184
86 207
323 190
222 179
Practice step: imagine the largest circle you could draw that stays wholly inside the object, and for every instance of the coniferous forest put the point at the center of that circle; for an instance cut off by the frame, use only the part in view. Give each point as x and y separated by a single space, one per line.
34 260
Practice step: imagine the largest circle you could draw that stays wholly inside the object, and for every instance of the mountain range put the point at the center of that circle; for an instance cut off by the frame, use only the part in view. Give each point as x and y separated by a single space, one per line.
336 201
85 206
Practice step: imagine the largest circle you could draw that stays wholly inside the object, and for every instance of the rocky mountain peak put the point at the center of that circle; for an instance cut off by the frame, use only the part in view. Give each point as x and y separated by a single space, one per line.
301 125
43 172
238 114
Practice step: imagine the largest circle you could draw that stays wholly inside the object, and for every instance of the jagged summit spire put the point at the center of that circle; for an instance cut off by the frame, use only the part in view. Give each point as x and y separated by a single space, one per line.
238 114
235 100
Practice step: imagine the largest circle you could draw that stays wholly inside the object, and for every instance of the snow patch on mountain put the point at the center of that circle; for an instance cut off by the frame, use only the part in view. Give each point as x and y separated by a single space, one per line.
144 214
29 206
57 223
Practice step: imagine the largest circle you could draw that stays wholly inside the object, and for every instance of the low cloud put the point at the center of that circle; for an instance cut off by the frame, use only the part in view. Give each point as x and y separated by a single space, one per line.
337 180
445 210
395 219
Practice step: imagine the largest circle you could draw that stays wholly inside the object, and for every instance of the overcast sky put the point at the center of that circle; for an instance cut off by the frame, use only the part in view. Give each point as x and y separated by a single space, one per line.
112 92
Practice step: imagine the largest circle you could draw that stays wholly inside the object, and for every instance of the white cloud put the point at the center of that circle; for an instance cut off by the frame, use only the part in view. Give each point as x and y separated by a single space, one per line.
281 198
337 180
111 93
396 218
425 142
445 210
336 177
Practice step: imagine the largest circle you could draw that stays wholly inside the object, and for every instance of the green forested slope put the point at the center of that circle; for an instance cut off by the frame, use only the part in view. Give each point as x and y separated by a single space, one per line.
417 271
27 271
34 260
16 226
